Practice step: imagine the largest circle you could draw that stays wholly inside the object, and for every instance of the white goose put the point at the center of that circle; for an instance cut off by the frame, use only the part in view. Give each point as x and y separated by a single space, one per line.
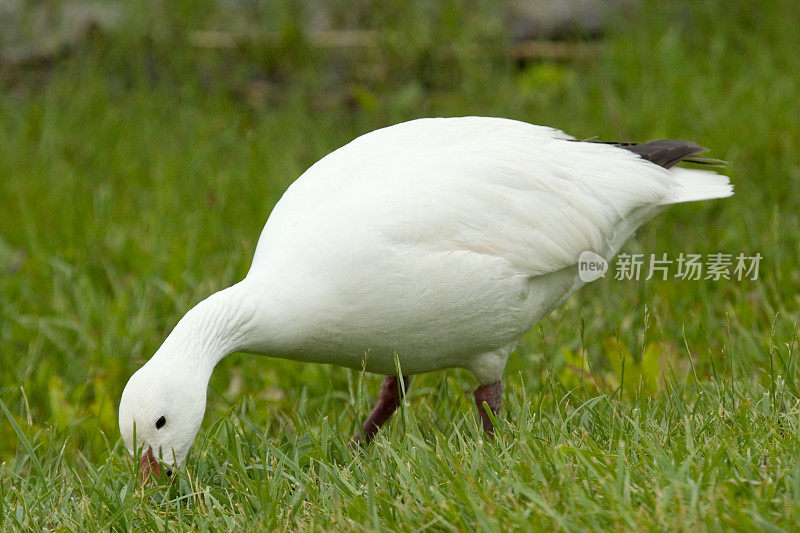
439 240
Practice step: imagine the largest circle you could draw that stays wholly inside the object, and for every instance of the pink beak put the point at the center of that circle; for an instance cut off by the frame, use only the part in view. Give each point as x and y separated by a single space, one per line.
148 466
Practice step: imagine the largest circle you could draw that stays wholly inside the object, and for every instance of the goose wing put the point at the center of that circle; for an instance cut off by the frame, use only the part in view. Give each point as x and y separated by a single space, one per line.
525 194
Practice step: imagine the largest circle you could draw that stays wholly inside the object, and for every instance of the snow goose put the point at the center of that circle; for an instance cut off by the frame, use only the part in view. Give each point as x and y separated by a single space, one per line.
439 241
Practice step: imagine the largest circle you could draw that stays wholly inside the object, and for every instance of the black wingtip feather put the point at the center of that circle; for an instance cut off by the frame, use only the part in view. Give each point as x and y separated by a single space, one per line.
707 161
664 152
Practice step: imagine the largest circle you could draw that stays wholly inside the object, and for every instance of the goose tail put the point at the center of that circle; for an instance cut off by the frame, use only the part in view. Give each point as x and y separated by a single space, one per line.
690 184
694 184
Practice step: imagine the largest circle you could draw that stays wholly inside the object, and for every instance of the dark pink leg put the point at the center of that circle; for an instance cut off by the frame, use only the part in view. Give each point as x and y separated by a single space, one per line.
491 395
388 402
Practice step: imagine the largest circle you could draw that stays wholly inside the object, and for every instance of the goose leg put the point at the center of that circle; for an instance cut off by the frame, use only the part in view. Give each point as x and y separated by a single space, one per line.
490 395
387 404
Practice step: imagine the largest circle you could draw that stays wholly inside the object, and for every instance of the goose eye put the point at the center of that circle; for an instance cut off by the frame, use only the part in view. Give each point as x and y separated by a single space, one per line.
160 422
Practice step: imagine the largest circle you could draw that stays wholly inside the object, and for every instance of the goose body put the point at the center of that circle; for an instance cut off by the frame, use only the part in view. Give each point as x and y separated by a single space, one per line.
440 241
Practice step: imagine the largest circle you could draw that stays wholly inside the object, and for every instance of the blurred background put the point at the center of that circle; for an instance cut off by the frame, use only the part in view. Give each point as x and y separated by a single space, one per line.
143 145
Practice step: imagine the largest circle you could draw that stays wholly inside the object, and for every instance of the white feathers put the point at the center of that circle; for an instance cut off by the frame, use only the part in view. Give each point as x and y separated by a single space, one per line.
693 184
443 239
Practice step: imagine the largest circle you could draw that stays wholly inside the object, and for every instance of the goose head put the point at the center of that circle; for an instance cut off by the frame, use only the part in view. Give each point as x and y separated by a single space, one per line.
162 406
159 415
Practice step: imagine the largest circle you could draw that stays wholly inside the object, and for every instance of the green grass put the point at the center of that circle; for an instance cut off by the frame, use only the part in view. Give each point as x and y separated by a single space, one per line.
136 173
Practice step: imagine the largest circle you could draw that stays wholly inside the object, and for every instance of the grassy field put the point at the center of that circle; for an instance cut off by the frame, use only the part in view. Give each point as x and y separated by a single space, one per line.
137 170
